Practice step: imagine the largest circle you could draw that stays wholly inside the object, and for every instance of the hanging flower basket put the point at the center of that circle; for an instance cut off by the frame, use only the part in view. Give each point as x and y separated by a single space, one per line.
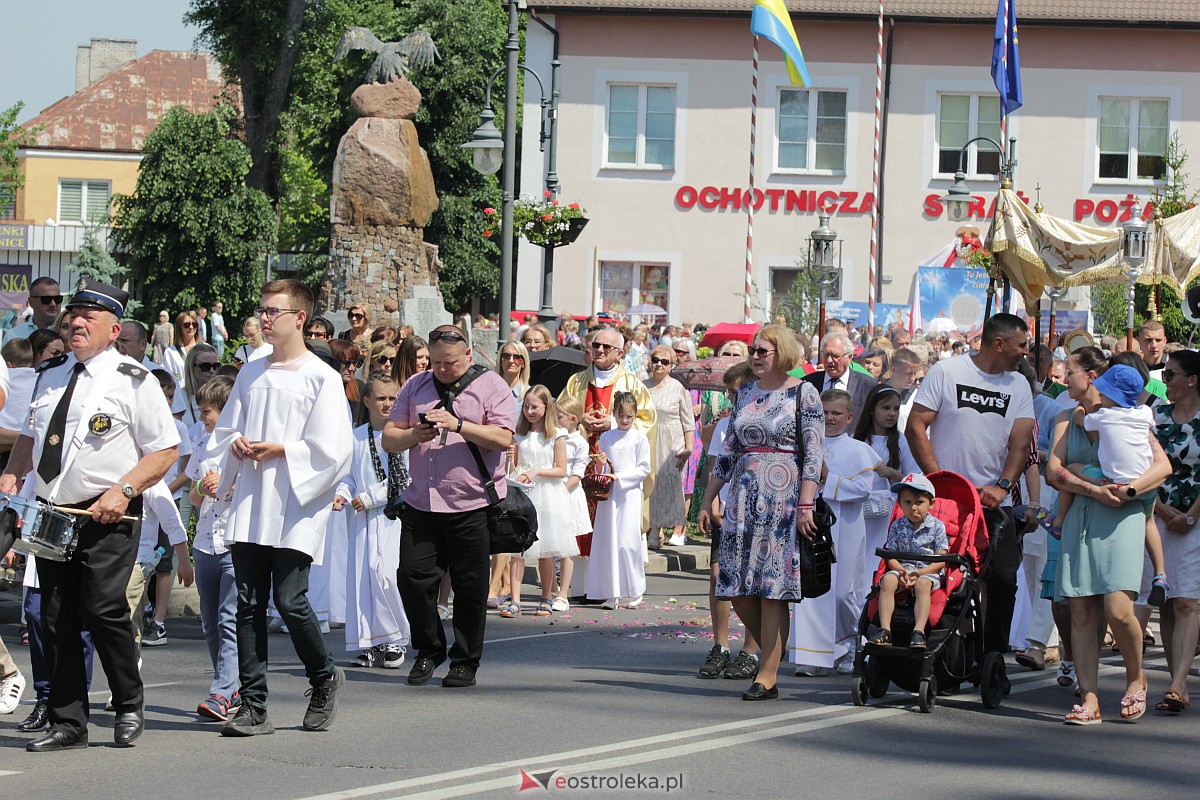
543 222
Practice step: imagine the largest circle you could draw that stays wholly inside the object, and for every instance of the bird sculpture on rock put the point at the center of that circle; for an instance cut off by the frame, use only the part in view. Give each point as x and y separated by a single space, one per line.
393 60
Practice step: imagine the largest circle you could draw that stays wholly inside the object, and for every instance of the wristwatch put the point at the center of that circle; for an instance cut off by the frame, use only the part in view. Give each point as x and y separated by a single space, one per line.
127 490
1190 521
1130 491
1005 484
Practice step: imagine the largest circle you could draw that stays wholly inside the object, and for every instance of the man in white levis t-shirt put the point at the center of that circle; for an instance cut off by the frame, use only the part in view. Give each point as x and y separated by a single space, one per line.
974 416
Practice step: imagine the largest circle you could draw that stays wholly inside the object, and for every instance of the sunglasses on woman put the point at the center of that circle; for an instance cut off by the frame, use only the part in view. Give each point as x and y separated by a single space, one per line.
207 366
381 360
512 357
761 352
352 364
666 362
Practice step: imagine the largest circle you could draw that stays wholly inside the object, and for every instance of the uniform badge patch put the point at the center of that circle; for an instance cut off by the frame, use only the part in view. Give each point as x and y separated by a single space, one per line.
100 424
54 440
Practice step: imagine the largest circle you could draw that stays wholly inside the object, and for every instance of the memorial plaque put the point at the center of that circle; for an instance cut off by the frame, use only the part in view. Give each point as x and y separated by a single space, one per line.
424 310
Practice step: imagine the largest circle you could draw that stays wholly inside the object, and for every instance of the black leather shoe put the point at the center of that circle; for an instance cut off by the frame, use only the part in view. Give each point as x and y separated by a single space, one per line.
422 670
459 677
759 692
38 718
129 727
60 739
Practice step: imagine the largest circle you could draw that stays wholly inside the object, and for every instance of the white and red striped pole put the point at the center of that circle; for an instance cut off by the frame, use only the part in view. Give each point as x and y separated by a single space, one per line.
873 268
747 315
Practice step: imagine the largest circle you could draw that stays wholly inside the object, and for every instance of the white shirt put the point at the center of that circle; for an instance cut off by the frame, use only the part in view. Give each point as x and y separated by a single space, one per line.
1123 448
21 331
842 382
19 391
118 414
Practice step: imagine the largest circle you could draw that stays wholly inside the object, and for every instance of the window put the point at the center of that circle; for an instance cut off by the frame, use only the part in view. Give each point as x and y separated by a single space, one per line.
8 202
1133 139
640 126
808 142
83 201
962 117
624 284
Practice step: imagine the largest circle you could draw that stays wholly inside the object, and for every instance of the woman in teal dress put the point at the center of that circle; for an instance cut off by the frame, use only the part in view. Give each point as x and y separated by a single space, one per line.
1102 545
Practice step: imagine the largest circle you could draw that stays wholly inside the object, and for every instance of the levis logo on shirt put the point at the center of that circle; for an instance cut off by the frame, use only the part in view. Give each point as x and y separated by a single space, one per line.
983 400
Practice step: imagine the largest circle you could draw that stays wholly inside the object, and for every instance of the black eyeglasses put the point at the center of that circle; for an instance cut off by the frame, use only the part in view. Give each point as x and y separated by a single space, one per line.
272 313
207 366
664 361
51 299
356 316
760 352
1170 374
352 364
446 336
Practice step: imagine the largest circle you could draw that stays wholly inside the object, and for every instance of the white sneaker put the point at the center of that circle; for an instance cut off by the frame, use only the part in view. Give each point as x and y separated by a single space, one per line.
844 665
560 604
677 540
11 689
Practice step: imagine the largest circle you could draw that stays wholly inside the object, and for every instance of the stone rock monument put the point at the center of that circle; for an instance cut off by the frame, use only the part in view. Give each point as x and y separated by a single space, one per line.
383 195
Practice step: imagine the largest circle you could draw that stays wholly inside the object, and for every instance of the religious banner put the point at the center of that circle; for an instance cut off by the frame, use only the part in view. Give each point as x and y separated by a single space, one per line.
854 314
950 298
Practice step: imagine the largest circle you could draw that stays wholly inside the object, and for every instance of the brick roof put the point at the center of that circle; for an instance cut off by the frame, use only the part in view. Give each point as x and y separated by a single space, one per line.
1084 11
118 112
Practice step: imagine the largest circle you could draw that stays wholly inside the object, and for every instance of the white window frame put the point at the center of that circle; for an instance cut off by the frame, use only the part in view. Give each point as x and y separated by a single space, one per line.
1172 93
972 132
1134 138
624 172
640 162
85 183
811 136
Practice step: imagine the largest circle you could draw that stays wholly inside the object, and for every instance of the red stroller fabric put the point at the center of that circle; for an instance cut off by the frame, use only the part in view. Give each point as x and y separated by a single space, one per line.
957 506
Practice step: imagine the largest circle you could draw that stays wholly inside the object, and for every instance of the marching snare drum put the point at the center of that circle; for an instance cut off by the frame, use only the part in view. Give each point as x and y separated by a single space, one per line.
43 532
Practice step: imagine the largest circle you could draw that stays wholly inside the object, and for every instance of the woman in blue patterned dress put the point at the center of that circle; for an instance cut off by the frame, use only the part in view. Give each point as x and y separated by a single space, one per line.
772 471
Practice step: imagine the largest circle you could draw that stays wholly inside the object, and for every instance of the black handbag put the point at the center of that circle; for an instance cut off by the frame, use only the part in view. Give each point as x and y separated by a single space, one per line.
816 555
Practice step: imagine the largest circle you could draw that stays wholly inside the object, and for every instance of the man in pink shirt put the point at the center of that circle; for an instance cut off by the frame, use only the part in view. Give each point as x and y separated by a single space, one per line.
445 516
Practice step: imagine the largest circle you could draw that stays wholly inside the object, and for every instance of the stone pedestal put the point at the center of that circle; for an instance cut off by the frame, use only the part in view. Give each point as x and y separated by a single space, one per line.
424 310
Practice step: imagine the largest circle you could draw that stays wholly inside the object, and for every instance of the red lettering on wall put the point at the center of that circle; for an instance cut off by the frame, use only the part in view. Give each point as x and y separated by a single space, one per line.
774 195
933 205
759 197
709 197
1106 210
731 197
796 201
868 203
1083 207
976 208
848 206
827 202
686 197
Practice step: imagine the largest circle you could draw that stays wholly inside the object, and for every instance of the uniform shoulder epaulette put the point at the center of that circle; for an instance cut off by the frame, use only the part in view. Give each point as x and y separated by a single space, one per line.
51 363
132 370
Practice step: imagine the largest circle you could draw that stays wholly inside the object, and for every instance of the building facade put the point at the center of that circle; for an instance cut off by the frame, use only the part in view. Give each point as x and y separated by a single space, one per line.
654 137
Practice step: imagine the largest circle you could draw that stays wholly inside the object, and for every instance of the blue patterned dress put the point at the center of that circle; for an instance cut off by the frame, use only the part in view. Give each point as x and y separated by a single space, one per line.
761 467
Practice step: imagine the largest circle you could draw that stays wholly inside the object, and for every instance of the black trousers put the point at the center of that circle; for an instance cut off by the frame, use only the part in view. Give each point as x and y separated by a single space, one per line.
259 570
1001 578
432 545
88 591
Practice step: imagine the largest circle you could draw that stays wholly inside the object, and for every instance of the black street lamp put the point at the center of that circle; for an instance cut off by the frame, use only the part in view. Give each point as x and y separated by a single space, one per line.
824 256
958 197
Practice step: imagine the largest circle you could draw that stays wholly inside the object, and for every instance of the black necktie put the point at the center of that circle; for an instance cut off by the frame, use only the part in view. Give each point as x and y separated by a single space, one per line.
51 463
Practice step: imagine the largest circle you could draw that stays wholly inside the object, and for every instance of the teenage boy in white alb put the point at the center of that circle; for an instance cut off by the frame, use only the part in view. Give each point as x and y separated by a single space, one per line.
974 416
285 440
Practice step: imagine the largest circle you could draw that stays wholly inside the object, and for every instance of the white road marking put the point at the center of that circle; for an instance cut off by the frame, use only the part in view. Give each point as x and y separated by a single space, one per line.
645 750
7 772
533 636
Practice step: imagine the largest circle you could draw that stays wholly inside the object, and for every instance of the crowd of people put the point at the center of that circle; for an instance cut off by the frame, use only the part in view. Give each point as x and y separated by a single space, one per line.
351 479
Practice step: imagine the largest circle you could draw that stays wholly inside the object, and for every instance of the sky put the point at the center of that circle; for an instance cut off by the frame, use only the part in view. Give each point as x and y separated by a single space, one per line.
37 59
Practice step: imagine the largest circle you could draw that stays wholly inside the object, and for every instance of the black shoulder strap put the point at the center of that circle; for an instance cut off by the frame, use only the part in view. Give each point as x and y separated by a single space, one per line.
450 391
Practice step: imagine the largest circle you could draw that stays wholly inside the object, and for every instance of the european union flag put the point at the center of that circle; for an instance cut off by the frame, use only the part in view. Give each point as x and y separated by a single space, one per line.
1006 58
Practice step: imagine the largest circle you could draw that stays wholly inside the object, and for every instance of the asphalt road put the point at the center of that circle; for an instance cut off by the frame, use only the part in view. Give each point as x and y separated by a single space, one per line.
591 698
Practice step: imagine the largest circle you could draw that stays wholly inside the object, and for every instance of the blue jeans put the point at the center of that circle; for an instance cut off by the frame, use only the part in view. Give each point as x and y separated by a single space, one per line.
37 656
218 617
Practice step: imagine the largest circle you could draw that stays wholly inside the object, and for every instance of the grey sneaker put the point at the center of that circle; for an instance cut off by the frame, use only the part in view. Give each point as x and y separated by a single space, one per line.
715 663
155 635
248 722
322 704
743 667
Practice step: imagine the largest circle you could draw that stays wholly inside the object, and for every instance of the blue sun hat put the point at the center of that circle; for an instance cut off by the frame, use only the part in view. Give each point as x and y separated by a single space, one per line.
1121 384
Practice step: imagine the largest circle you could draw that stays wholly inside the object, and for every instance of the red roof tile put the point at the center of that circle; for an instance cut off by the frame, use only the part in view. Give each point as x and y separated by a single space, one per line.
118 112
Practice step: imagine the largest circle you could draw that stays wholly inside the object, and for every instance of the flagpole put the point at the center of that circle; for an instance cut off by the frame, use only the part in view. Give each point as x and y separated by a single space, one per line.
874 262
746 307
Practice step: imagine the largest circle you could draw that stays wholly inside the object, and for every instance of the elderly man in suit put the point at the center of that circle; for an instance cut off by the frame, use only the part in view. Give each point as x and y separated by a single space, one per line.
836 352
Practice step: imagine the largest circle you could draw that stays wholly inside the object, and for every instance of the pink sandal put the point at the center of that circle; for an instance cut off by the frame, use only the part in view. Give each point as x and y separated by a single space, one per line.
1133 704
1082 716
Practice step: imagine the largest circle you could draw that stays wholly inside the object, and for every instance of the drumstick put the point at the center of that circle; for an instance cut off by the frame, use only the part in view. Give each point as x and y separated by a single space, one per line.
79 512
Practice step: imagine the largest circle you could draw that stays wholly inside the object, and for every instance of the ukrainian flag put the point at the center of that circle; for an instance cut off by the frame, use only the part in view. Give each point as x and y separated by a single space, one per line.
770 20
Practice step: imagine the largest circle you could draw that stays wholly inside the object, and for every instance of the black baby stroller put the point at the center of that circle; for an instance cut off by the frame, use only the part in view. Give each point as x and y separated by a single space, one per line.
955 637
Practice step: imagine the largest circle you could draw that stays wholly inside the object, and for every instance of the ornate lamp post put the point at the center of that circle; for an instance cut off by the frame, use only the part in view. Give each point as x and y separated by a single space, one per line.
1133 253
490 151
824 256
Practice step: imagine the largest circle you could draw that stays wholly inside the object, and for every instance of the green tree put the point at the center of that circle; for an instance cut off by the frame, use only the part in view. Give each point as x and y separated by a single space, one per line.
93 260
193 230
12 138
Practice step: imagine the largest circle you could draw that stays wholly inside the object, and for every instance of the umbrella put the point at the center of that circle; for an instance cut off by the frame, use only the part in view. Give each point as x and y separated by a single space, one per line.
647 310
941 325
707 373
722 332
553 368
